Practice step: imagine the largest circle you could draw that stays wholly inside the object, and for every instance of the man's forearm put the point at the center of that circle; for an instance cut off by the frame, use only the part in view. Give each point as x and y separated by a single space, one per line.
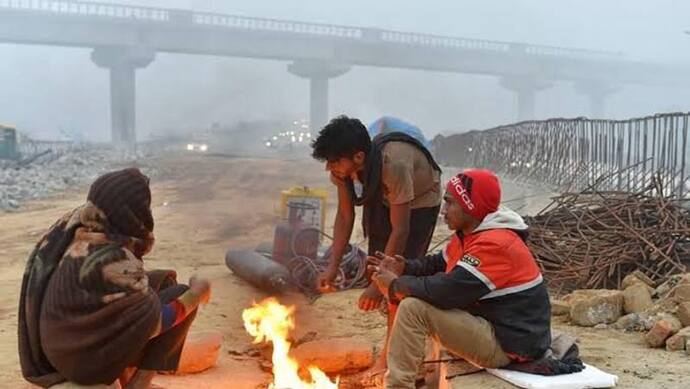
341 236
397 240
342 229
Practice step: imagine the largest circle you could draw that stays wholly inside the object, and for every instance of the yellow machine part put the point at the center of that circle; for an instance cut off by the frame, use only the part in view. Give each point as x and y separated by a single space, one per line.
313 196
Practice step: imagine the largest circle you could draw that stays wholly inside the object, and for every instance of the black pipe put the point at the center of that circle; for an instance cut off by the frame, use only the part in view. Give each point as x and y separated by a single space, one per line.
263 273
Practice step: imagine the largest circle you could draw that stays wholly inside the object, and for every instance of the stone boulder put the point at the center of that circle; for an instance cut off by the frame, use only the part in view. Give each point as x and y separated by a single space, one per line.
683 313
636 277
667 286
589 307
663 306
636 298
662 330
681 293
335 355
559 308
631 322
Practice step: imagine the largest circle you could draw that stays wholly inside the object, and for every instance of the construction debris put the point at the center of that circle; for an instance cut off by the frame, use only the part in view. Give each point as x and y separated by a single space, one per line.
662 330
51 172
593 239
665 321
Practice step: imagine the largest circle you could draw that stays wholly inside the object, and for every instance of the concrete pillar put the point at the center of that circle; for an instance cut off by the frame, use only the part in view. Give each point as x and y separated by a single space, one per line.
318 103
596 92
318 73
122 104
525 101
122 63
526 89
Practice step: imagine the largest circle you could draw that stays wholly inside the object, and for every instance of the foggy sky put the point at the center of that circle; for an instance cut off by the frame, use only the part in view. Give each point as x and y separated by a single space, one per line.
44 89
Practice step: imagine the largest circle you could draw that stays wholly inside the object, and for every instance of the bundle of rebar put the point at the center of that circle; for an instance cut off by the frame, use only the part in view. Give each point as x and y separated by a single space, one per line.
593 239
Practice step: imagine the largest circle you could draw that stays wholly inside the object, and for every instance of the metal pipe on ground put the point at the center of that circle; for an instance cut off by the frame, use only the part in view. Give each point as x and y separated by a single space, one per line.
263 273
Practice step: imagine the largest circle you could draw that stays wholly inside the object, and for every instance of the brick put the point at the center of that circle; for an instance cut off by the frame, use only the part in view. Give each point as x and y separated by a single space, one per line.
678 341
72 385
662 330
335 355
675 343
200 352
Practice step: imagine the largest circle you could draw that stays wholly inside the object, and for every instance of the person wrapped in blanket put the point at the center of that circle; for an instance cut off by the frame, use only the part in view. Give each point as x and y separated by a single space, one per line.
482 298
88 312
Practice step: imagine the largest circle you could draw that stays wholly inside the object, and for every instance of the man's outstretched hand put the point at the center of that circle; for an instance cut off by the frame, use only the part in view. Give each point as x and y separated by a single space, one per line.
382 278
395 264
370 299
325 281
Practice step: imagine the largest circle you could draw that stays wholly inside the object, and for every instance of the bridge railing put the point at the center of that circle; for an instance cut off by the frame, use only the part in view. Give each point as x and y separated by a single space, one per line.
370 35
275 25
443 41
82 8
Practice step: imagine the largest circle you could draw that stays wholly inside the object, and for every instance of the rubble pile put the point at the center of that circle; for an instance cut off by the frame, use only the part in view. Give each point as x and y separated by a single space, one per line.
660 311
592 239
52 172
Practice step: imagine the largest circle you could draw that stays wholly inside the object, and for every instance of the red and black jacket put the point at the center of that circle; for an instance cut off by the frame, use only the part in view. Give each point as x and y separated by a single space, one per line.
491 274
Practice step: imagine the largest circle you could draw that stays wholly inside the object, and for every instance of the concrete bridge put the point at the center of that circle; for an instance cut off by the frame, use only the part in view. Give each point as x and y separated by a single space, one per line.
125 38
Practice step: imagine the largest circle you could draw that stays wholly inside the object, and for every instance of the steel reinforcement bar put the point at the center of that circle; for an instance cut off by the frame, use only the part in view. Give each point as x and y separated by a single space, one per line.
573 154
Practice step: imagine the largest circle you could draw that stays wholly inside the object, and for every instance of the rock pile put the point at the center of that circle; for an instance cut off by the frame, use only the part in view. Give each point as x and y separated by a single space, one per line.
53 172
662 311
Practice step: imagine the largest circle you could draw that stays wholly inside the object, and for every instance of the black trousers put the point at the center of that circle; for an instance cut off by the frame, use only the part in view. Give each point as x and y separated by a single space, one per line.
162 353
422 224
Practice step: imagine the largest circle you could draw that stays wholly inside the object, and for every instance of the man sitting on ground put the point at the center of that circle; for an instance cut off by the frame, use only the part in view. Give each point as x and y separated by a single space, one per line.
482 298
89 312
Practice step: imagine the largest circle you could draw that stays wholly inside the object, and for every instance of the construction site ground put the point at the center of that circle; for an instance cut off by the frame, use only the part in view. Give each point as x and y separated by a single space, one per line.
204 205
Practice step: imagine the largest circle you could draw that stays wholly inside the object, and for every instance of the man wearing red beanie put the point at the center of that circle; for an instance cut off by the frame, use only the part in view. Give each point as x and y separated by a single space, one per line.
482 298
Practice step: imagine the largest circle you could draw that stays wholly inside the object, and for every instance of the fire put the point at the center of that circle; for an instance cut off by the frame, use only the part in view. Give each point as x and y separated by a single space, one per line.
270 321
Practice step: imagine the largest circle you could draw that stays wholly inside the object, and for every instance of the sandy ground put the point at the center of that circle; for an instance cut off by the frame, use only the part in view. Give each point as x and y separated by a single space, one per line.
204 205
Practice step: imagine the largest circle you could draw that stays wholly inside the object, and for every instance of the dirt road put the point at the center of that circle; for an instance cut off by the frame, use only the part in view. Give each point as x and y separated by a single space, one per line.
204 205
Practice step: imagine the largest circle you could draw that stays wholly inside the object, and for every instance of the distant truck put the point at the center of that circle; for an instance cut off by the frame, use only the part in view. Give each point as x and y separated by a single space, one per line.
8 143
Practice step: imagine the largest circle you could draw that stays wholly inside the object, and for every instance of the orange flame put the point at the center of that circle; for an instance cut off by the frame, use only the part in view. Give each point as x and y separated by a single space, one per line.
270 321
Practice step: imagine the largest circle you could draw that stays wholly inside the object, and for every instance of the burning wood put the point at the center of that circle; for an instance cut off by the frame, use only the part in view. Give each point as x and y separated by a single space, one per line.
270 321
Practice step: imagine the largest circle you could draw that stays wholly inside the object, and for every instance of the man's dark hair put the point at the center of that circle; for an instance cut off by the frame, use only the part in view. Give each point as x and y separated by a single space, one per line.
341 137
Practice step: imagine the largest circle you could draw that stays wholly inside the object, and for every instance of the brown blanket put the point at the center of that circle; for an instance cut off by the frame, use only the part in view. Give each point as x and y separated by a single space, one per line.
85 301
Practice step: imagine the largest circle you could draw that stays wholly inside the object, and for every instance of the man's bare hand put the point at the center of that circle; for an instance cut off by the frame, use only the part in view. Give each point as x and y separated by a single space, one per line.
370 299
383 278
201 287
128 274
324 282
395 264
